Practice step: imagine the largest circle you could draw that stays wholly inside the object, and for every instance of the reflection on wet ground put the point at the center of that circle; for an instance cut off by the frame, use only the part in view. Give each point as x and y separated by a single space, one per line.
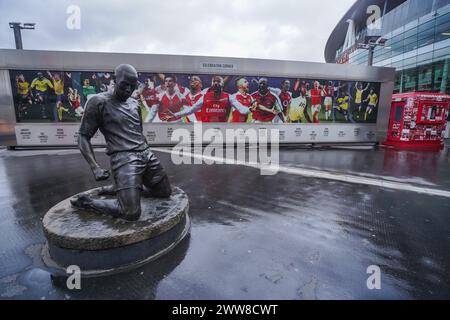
253 237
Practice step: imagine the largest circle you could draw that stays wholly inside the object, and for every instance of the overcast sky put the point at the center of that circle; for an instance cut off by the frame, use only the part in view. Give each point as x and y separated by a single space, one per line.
271 29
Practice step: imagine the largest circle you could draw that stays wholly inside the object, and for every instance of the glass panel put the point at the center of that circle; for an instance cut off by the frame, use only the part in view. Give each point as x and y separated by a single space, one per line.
377 52
409 80
426 25
387 54
441 53
429 34
425 80
387 22
425 58
410 43
424 7
397 48
443 19
442 77
444 27
397 64
410 32
425 38
397 38
437 76
398 79
409 61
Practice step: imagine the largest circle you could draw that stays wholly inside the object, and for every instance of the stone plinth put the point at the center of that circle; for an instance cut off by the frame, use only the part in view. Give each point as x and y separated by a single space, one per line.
102 245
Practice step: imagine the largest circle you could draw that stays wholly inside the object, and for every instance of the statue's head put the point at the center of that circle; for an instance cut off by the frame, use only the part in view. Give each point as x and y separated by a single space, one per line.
126 81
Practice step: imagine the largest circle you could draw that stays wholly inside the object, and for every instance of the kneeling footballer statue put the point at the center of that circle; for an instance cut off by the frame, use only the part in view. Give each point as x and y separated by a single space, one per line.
136 170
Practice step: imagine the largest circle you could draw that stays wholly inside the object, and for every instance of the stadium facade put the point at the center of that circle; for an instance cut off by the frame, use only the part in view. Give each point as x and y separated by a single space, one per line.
415 38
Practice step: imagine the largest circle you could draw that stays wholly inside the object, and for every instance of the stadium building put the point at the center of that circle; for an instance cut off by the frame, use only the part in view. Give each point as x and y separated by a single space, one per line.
412 36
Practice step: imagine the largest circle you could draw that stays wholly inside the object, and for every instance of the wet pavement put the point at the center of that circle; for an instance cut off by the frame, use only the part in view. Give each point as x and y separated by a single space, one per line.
284 236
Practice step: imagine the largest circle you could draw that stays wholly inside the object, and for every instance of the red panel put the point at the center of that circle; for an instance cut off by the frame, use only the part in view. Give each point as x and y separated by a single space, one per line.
418 120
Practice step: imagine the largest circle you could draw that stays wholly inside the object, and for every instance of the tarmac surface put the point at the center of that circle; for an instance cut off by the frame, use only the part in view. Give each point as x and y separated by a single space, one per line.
253 236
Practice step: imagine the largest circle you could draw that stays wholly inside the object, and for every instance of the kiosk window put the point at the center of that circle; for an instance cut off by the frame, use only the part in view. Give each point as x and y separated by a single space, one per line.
398 114
432 113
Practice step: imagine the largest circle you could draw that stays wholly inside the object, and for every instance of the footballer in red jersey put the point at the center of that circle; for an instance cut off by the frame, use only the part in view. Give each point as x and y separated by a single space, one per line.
148 97
243 97
215 104
194 94
267 105
284 94
328 92
316 95
75 101
170 101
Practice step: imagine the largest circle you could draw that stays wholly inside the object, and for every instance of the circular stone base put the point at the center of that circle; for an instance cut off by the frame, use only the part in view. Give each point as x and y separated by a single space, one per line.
103 245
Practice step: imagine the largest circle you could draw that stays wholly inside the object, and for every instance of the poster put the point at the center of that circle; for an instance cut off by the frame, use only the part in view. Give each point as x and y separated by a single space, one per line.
49 96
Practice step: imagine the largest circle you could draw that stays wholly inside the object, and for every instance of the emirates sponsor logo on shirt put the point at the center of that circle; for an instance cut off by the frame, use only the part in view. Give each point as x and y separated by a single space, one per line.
216 110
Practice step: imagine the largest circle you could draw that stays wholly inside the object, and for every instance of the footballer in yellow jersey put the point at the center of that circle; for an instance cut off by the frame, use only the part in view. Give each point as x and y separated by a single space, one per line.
60 109
23 86
40 83
40 86
58 83
342 103
372 98
58 87
359 91
23 90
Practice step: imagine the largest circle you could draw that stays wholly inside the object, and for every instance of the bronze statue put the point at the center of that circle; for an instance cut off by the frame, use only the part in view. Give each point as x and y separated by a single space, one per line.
135 169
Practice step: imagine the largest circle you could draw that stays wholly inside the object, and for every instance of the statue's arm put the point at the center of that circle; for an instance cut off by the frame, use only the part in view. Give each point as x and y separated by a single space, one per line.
89 126
85 146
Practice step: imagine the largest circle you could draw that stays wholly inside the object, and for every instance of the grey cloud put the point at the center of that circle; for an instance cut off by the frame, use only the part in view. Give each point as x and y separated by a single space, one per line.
289 29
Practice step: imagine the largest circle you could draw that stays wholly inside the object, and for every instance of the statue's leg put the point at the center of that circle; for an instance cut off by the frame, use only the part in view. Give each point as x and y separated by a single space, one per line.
109 207
130 203
155 181
127 206
161 189
108 190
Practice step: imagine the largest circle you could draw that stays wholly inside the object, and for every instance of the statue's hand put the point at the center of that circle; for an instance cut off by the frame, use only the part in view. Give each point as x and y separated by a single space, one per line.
100 174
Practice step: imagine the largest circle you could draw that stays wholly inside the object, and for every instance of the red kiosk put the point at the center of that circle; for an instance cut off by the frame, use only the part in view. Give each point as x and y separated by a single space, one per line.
418 120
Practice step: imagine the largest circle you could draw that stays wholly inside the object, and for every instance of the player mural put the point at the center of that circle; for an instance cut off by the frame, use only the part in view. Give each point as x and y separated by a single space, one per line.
59 96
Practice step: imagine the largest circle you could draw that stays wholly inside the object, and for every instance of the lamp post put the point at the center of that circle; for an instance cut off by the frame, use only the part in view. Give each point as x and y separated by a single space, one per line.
370 45
17 27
